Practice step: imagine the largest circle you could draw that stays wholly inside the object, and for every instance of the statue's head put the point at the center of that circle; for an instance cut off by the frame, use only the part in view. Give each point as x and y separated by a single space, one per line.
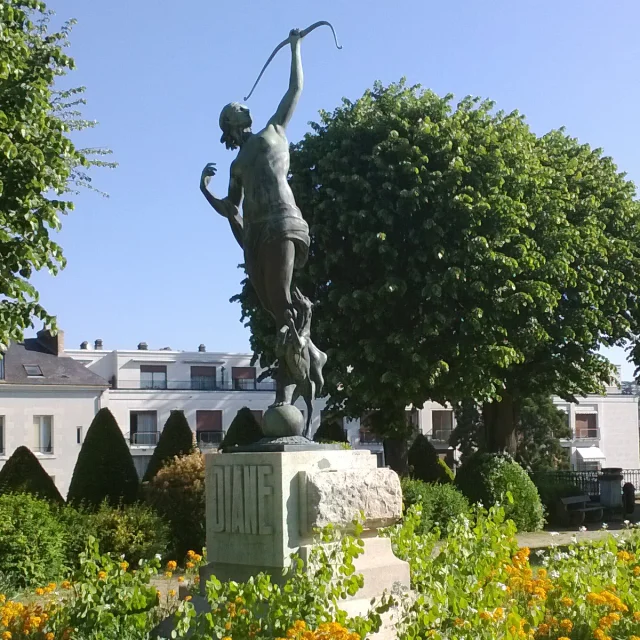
235 121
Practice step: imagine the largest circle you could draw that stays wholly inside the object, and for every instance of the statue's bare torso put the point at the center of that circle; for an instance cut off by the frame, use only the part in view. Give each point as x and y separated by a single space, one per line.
262 167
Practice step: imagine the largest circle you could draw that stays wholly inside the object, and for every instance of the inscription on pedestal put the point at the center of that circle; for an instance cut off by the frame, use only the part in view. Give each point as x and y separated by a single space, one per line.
242 499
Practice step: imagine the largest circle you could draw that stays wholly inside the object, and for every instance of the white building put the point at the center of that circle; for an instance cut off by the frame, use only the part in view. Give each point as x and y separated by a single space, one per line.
49 395
605 431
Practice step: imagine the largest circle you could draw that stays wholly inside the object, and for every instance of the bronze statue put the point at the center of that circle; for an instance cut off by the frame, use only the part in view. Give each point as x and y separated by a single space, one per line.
275 240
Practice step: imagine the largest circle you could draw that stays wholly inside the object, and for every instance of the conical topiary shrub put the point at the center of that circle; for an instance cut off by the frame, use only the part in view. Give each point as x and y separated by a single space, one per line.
176 439
424 463
23 473
104 470
243 430
330 431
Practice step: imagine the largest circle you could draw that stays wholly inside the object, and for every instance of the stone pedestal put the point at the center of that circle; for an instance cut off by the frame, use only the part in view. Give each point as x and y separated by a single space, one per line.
263 506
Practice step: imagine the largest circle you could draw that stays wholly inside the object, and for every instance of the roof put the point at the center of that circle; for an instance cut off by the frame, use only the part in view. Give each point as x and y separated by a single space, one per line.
56 370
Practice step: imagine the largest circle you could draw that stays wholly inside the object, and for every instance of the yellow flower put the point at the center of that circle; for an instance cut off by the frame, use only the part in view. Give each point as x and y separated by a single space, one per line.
181 579
172 565
102 575
563 638
6 635
636 616
543 629
227 626
49 636
226 638
124 565
167 574
172 593
567 602
239 600
66 585
187 598
566 625
625 556
636 570
190 565
498 613
485 615
459 622
39 591
191 553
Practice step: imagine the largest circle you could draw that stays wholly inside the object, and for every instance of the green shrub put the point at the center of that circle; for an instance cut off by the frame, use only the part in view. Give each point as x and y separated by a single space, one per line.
486 478
447 472
424 462
78 526
440 503
135 531
32 540
23 473
243 430
176 439
177 494
330 431
104 469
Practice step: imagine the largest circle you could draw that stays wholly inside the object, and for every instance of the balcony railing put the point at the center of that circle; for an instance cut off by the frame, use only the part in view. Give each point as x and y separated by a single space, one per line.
441 435
197 385
208 439
587 434
144 438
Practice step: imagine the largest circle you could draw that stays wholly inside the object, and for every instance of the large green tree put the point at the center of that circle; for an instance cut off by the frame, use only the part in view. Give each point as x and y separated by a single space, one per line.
38 162
455 254
539 428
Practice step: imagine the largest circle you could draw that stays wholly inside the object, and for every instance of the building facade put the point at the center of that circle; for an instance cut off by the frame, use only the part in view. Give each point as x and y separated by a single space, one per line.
49 396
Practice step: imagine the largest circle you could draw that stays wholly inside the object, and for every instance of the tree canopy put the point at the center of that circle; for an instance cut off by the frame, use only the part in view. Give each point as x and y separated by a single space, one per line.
39 163
457 255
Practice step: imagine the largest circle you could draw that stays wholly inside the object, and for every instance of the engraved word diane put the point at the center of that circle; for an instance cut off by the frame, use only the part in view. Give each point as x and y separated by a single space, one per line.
242 499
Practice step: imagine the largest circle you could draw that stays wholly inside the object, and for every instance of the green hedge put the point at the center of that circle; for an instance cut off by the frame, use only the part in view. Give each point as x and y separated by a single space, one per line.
104 469
176 439
23 473
32 541
425 464
487 478
440 503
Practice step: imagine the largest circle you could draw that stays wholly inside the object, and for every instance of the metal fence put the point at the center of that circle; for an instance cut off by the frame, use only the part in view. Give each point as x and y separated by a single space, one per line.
587 481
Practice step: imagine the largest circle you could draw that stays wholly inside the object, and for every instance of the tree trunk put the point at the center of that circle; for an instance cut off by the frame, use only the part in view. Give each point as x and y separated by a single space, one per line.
499 424
396 455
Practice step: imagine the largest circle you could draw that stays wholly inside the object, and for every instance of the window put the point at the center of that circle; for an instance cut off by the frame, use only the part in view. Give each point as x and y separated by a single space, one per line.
153 376
79 435
209 428
244 378
441 425
33 370
586 425
257 414
1 435
203 378
366 435
43 427
143 428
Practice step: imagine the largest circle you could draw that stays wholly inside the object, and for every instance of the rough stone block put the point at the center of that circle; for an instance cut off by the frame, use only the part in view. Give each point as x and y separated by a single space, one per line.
338 496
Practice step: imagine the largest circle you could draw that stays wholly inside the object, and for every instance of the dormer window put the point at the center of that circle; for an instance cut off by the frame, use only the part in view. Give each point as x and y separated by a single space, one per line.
33 370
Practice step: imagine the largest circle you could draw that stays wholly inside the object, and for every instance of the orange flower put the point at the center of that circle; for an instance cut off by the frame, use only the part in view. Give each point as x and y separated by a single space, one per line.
566 625
190 565
172 593
167 574
187 598
102 575
172 565
227 626
49 636
124 565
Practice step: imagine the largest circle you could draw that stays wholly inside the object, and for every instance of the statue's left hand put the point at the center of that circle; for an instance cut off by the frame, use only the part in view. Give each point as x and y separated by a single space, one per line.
207 173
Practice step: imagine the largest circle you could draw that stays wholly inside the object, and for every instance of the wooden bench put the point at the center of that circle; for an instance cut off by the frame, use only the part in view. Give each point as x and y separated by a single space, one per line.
573 510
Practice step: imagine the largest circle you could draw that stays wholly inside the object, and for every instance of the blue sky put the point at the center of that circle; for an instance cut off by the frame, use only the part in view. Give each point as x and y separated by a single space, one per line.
153 262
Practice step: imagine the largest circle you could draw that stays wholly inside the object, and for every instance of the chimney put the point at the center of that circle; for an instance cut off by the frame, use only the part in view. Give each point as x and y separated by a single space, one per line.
202 348
143 346
97 345
55 344
84 345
